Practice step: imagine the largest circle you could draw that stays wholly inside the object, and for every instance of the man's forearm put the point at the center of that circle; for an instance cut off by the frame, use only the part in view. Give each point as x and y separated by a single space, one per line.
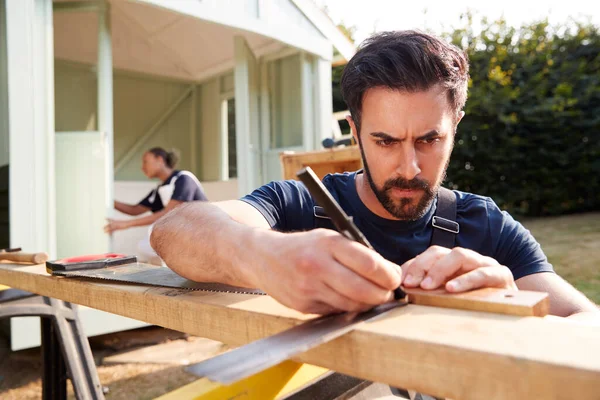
201 242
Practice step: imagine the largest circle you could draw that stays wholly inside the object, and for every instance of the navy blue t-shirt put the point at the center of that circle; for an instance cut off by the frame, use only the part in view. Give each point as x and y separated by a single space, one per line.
181 185
484 228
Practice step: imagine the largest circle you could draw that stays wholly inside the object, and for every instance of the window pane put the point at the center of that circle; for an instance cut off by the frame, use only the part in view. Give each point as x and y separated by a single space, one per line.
232 154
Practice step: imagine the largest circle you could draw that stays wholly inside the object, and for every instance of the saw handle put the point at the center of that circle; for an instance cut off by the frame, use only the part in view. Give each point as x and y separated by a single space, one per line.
33 258
87 262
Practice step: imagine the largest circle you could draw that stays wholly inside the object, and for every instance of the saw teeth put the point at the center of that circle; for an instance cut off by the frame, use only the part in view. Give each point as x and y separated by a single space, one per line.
193 289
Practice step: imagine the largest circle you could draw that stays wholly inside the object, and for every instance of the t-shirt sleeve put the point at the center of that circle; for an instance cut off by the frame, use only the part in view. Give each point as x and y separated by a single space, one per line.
185 189
515 246
286 205
146 200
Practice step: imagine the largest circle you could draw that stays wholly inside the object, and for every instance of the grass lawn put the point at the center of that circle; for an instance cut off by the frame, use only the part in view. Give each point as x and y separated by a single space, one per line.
572 244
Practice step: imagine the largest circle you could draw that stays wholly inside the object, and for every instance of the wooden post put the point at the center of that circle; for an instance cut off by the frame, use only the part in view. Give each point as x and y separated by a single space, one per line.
30 78
105 98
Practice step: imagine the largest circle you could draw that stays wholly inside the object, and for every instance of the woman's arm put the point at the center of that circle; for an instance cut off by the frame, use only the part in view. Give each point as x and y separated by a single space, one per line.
116 225
130 209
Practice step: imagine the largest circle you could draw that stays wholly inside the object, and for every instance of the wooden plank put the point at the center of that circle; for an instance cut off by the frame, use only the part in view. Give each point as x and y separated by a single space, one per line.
339 159
458 354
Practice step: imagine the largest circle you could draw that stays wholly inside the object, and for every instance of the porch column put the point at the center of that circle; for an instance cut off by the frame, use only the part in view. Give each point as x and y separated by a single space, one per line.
30 100
323 100
246 117
308 102
105 98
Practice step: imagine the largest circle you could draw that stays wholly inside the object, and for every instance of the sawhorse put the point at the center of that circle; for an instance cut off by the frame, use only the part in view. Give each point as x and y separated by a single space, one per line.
66 352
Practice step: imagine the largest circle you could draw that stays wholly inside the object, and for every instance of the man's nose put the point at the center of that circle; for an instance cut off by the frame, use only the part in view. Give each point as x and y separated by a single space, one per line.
408 165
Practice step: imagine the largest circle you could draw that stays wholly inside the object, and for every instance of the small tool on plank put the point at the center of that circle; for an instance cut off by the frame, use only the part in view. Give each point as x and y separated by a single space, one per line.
16 255
10 250
264 353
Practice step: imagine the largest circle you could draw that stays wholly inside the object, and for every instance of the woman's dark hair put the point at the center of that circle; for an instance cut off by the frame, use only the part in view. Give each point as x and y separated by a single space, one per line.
170 157
408 61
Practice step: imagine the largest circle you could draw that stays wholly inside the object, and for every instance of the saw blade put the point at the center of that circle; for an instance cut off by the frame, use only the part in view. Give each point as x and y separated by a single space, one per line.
257 356
154 275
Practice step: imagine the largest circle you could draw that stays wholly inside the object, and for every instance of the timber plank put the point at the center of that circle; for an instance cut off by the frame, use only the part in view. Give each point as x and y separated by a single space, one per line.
444 352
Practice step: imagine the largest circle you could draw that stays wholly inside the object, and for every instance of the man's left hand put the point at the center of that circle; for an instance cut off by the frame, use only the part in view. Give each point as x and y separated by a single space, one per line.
115 225
457 269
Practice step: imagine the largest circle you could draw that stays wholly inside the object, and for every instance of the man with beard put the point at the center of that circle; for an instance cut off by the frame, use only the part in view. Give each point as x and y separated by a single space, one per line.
405 92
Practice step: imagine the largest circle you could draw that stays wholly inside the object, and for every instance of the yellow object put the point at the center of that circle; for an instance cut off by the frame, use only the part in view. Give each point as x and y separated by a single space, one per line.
272 383
2 287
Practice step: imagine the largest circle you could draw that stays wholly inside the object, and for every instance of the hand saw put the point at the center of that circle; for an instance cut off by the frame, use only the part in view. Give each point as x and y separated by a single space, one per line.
123 268
257 356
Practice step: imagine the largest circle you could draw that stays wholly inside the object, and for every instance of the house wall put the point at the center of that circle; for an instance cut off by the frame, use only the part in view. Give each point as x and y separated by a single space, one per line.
286 102
285 12
212 94
139 102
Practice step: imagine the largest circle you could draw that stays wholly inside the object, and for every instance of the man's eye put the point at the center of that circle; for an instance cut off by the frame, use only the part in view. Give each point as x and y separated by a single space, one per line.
430 140
384 142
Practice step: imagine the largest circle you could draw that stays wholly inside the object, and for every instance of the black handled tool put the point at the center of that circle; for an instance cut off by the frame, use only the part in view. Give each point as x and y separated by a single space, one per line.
340 219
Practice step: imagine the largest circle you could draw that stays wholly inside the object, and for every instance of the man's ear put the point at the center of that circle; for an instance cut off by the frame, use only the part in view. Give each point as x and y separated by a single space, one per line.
459 118
352 128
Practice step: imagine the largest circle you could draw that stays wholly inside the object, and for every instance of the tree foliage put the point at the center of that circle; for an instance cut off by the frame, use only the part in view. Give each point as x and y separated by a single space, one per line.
530 136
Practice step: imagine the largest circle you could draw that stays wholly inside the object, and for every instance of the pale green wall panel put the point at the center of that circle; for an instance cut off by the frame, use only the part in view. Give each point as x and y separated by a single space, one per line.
227 84
74 98
81 213
286 102
139 102
210 130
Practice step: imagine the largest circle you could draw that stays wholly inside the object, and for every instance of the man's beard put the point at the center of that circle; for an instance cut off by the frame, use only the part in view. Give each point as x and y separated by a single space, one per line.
404 210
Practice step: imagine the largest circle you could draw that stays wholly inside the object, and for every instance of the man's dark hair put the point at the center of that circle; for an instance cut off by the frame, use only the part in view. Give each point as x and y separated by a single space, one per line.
406 61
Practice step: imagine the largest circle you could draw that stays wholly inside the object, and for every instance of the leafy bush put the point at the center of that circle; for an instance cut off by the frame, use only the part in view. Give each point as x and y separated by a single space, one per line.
531 135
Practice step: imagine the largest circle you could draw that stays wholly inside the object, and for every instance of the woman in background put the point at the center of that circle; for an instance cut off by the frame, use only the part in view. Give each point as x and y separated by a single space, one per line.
176 187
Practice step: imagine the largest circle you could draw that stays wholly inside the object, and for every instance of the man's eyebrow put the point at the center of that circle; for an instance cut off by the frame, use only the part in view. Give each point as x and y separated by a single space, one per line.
429 135
384 136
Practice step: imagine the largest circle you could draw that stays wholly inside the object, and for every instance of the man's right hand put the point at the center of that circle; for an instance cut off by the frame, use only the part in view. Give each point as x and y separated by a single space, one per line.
321 272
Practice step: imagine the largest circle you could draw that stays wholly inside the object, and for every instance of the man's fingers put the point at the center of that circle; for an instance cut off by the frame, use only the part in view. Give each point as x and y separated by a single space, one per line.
367 263
415 270
350 285
318 307
456 262
447 266
493 276
335 300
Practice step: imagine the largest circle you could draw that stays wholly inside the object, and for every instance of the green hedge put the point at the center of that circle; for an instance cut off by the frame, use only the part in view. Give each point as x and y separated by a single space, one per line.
530 137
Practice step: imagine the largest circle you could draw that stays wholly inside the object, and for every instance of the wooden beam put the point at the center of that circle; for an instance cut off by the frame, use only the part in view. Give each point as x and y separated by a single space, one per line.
458 354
